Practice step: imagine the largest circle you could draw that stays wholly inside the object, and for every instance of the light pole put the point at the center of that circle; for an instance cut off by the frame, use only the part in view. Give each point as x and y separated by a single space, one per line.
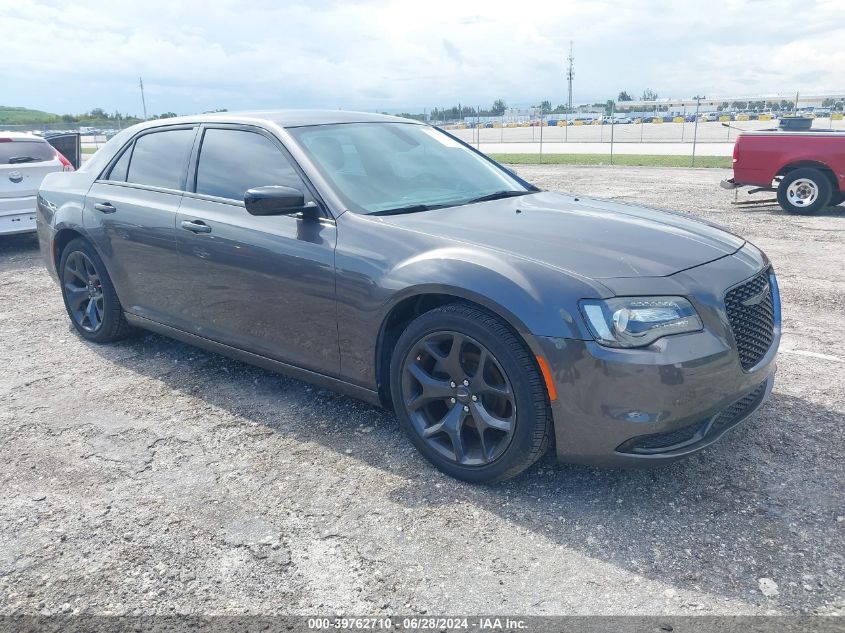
695 130
612 112
541 132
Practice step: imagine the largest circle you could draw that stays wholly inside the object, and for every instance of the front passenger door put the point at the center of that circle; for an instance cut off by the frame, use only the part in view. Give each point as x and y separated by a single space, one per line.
264 284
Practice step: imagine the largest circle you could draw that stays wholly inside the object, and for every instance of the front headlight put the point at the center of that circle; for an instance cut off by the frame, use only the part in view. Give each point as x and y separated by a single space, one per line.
638 321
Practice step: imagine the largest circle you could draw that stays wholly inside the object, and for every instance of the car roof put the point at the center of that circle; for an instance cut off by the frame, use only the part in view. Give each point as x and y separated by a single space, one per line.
281 118
287 118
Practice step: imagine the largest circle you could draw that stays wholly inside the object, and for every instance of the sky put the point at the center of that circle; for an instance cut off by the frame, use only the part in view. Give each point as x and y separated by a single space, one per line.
402 56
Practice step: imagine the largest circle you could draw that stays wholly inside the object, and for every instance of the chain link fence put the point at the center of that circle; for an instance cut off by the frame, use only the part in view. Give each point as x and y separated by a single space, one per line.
681 127
687 128
94 133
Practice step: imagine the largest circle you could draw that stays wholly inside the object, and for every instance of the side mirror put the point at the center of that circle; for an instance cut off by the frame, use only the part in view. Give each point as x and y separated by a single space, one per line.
275 201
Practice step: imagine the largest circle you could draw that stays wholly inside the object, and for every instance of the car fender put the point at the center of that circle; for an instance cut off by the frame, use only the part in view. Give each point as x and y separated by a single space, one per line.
535 298
61 202
519 291
812 161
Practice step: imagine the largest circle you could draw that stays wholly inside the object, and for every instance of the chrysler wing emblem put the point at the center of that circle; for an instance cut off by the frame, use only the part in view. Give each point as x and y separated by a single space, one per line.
15 176
756 299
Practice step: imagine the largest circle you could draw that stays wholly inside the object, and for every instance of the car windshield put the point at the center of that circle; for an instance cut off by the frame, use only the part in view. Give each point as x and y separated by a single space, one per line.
381 168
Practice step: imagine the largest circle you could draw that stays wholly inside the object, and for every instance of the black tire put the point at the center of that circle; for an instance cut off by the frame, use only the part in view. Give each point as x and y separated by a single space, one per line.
812 183
102 319
531 427
837 198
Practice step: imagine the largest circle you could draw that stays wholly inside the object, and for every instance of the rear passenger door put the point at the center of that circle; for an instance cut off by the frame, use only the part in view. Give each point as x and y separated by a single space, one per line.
259 283
130 213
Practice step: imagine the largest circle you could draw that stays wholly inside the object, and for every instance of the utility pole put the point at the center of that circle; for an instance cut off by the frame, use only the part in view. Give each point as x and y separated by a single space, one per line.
570 74
143 101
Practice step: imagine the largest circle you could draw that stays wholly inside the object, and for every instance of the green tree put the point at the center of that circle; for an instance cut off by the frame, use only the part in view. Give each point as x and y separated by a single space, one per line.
649 95
624 96
499 107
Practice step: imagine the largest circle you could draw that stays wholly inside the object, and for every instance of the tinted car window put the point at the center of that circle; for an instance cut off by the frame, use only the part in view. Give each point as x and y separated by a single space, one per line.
22 152
232 161
118 172
158 159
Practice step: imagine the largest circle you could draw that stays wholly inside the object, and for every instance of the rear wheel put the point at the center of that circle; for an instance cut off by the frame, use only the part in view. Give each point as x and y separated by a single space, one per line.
806 190
837 198
89 296
469 394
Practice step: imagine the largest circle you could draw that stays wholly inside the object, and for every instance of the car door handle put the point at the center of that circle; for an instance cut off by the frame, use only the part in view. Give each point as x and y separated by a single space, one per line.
105 207
196 226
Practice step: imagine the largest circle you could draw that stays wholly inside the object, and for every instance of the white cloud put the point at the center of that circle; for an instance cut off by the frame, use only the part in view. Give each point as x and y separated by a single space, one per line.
396 54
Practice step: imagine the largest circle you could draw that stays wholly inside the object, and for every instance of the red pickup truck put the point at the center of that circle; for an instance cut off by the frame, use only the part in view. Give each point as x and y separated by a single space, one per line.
807 169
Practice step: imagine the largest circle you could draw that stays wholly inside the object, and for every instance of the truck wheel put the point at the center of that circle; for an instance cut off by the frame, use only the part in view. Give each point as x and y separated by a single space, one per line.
837 198
805 191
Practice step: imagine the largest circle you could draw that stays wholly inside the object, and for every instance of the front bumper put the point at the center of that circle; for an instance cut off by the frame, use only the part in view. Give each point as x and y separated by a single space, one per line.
622 407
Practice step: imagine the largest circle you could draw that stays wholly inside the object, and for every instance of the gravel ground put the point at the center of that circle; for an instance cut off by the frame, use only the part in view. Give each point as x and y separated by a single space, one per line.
150 477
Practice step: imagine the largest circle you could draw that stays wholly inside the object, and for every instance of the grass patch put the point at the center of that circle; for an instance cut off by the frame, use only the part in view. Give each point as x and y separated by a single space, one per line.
89 150
634 160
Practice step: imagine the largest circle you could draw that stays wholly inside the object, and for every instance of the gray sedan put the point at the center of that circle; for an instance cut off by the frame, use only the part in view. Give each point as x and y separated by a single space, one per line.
389 260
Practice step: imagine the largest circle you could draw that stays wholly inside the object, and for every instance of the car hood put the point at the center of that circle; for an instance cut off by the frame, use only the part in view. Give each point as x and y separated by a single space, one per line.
589 237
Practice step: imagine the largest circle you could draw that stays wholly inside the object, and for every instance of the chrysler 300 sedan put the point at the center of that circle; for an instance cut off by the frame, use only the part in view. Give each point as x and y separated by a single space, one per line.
389 260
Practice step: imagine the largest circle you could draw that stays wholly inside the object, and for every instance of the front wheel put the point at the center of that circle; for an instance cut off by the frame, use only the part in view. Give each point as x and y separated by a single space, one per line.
804 191
89 294
469 394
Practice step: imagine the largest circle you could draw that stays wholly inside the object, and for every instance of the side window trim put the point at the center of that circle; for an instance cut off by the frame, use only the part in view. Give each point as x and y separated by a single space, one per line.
193 164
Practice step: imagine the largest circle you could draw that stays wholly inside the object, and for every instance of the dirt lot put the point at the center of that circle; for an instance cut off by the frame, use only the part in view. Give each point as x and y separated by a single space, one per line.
150 477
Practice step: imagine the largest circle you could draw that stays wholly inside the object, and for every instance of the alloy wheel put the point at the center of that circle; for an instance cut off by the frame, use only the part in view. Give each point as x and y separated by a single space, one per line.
83 291
458 398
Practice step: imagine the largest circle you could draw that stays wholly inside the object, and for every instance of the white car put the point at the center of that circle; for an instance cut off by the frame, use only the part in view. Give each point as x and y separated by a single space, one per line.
24 161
